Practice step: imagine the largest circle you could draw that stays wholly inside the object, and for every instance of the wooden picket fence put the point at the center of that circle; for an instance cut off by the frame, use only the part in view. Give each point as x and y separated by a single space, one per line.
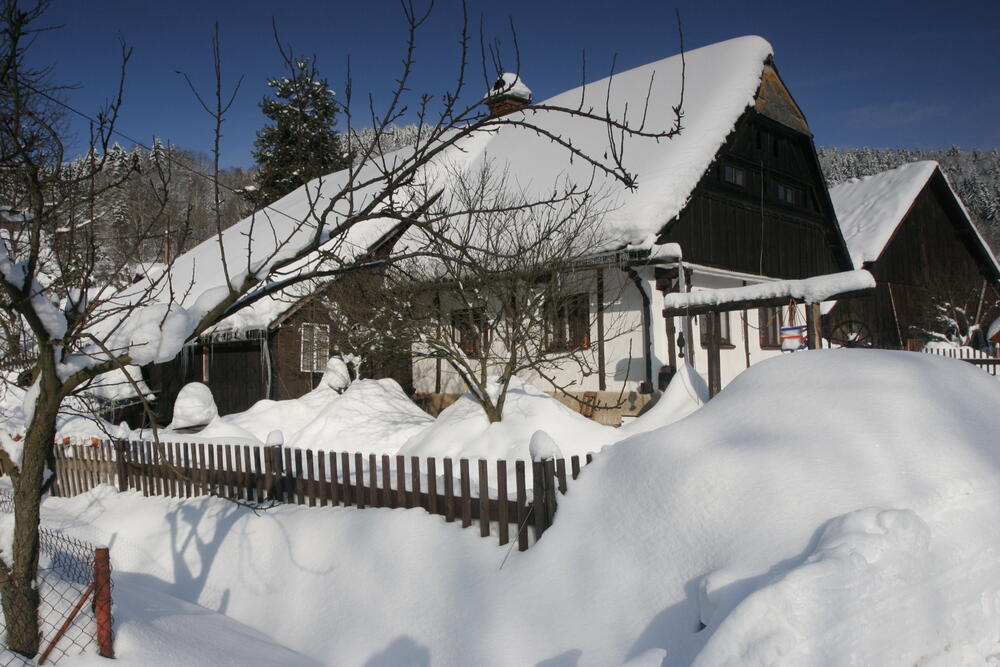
975 357
263 476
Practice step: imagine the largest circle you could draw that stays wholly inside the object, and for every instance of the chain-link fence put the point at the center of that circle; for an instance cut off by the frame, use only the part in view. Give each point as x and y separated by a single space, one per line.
74 611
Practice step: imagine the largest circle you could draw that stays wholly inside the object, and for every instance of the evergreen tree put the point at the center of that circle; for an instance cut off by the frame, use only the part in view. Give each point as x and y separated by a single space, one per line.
300 142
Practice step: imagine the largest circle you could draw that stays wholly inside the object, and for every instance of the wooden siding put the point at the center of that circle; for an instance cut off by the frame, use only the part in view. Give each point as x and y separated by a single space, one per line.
746 227
932 253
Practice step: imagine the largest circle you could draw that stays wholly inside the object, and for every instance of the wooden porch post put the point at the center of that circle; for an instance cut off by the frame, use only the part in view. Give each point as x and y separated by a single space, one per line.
814 319
714 336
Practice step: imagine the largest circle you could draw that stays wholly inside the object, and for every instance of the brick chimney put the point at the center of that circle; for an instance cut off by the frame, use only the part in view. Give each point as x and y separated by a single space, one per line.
509 94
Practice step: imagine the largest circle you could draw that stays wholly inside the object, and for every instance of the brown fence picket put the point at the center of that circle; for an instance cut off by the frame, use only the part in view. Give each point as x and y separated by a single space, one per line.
549 468
345 474
561 474
241 475
232 487
415 482
538 498
484 499
310 478
432 488
359 480
387 497
212 472
187 470
522 506
466 500
299 479
334 480
449 491
401 482
503 518
574 462
324 483
202 463
288 478
374 497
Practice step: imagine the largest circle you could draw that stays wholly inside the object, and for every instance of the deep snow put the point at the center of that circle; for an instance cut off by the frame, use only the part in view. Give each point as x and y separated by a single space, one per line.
829 507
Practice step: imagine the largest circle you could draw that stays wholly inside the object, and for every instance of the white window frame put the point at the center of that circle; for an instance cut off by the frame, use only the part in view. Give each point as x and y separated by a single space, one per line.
314 347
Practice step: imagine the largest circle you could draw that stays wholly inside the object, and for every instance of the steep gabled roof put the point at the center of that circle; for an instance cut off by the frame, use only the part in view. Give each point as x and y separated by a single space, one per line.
870 209
718 82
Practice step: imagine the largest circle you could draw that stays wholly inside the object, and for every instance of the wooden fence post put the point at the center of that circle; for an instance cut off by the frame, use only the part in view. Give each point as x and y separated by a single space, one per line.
102 602
121 464
275 473
538 501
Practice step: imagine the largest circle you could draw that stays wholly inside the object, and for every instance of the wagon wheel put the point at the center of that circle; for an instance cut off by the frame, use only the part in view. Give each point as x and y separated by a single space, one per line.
851 333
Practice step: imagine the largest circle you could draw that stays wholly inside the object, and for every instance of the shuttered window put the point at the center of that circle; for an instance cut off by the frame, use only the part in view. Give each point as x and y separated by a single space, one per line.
315 348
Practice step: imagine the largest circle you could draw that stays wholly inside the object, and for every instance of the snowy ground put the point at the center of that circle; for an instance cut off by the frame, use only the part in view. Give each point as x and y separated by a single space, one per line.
829 508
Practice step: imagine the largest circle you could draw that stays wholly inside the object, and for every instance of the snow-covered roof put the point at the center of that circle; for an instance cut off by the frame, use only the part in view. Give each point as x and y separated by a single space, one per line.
870 209
719 83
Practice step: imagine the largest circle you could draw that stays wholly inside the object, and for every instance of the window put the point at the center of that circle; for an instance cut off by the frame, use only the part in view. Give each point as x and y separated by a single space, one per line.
315 348
734 175
468 330
789 195
769 327
568 327
723 325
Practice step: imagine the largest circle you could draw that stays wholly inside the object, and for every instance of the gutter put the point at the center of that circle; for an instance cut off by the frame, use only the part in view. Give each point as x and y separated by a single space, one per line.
647 385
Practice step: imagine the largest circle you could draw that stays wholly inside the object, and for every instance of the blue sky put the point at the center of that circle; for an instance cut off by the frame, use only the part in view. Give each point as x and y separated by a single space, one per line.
877 73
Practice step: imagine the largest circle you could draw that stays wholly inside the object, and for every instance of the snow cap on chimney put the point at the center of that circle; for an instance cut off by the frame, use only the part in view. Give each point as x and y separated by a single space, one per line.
508 94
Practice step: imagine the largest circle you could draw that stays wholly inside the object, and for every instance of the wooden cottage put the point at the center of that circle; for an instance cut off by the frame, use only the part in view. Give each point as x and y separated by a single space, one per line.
740 190
908 227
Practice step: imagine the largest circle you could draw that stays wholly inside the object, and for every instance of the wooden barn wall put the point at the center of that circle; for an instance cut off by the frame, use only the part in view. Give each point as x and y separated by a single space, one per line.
236 374
746 228
165 380
289 381
931 253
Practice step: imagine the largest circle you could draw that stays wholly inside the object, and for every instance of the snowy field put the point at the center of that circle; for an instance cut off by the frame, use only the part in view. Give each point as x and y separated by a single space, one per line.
834 507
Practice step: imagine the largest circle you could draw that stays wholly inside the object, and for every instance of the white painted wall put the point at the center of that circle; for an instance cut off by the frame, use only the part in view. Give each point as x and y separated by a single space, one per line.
624 355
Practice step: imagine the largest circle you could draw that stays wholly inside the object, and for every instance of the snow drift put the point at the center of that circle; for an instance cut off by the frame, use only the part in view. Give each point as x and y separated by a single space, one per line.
828 507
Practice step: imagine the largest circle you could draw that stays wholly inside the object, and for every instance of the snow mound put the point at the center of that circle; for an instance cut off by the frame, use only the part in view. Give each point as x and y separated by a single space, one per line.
463 431
831 507
336 376
194 406
686 392
801 502
371 417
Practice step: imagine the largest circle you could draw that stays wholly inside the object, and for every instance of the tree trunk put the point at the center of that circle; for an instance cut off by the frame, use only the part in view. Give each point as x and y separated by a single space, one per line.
17 580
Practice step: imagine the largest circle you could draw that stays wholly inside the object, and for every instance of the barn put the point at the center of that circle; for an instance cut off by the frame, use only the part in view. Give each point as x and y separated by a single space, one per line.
936 276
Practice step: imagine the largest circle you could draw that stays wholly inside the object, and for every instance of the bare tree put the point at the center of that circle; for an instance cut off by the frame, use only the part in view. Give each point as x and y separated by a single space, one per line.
502 285
82 326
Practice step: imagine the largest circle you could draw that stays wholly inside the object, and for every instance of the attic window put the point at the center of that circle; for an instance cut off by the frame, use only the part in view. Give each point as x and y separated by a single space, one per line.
734 175
789 194
315 348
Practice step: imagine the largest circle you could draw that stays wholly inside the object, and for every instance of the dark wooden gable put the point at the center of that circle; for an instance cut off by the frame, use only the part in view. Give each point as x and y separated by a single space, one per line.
762 207
934 254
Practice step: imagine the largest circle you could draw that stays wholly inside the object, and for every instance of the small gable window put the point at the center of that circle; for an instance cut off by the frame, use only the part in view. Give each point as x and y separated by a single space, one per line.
734 175
789 195
569 323
315 348
468 330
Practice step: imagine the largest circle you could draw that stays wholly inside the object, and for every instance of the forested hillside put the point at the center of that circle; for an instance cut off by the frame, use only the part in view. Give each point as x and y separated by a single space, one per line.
974 174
